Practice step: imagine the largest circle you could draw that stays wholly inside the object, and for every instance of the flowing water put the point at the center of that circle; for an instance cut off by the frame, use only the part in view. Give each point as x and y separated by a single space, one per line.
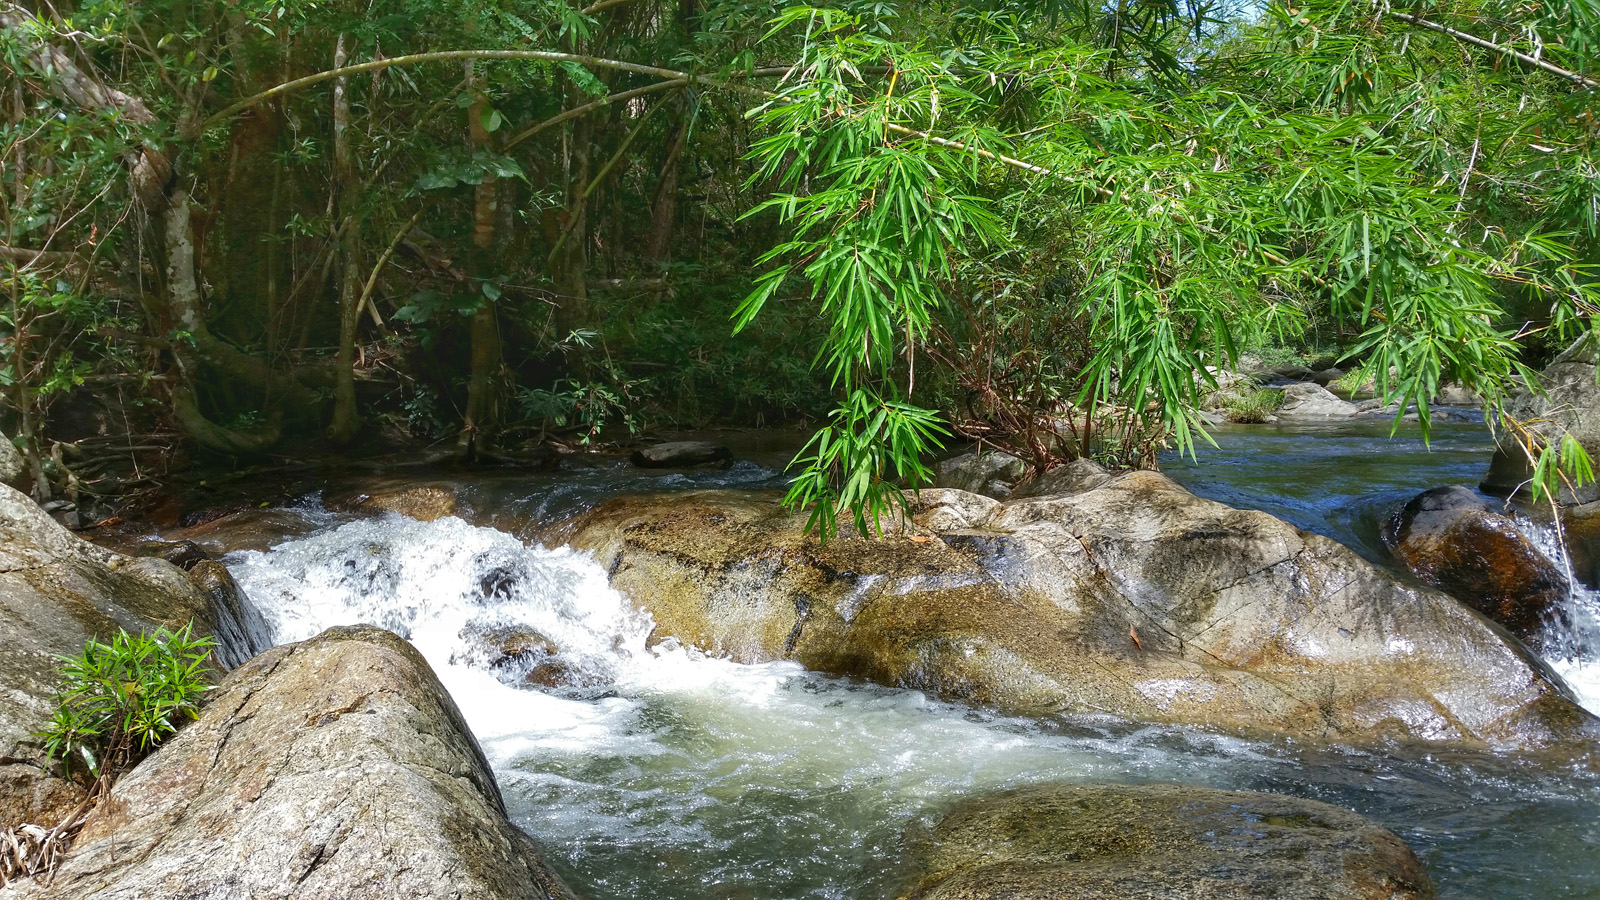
665 774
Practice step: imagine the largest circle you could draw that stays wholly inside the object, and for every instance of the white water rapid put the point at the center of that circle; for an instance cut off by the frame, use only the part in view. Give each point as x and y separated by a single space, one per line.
660 773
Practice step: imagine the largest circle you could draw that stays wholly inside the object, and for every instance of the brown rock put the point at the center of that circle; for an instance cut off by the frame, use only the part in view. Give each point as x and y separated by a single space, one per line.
1450 539
1114 842
1136 599
425 503
250 529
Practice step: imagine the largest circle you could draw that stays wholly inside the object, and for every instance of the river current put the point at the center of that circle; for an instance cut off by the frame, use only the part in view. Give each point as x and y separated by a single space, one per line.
661 773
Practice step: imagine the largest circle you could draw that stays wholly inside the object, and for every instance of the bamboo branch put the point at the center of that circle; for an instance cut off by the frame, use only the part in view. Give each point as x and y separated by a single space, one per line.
447 55
377 267
1519 56
591 107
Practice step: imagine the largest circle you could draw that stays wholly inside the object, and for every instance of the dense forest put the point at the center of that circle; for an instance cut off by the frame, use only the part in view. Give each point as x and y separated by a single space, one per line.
259 227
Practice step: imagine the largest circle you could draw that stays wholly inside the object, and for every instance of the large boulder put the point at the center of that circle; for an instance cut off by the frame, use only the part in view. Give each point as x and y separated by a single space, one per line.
335 768
1308 400
1119 842
1569 404
1451 539
57 591
1136 599
992 474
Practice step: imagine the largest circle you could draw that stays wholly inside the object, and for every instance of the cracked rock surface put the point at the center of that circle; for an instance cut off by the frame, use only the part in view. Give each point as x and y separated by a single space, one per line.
337 767
1133 598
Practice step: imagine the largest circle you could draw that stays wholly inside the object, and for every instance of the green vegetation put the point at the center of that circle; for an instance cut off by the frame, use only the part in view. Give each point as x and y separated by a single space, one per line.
123 698
245 227
1253 407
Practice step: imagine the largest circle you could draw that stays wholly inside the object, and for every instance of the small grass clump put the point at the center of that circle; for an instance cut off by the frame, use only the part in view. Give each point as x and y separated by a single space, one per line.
119 701
123 698
1254 407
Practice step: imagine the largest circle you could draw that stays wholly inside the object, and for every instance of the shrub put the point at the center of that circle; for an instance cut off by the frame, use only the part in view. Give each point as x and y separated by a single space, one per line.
1253 408
123 698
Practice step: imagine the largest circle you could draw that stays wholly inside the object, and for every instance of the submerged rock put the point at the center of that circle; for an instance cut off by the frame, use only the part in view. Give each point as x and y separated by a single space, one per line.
1313 401
57 591
681 454
1452 540
991 474
425 503
1135 599
334 768
251 529
519 655
1117 842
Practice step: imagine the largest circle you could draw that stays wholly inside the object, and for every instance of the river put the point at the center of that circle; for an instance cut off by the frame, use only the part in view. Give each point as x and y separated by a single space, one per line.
661 773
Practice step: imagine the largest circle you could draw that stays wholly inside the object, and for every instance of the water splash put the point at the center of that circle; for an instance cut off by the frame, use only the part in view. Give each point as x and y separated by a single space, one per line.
1570 642
469 598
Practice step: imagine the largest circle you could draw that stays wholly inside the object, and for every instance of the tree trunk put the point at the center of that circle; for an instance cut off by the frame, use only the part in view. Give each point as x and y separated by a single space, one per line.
571 265
664 208
346 419
184 306
485 328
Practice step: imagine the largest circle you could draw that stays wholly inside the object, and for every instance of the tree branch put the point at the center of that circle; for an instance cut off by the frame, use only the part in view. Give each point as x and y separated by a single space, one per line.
447 55
593 8
46 257
591 107
1519 56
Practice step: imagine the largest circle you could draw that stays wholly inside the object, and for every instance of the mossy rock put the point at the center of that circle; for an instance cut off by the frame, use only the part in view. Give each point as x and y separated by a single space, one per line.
1158 842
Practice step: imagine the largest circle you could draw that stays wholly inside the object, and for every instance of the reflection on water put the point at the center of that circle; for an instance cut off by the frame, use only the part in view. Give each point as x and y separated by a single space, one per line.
1340 479
687 777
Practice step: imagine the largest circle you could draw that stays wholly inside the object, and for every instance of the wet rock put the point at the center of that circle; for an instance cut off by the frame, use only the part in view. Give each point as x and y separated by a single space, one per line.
12 467
1135 599
251 529
239 627
1569 403
1312 401
519 655
425 503
1451 539
1074 477
334 768
950 509
1327 376
183 554
504 646
681 454
1114 842
991 474
57 591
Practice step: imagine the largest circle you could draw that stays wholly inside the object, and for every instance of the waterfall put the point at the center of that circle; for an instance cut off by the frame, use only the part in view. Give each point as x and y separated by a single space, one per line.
1571 639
